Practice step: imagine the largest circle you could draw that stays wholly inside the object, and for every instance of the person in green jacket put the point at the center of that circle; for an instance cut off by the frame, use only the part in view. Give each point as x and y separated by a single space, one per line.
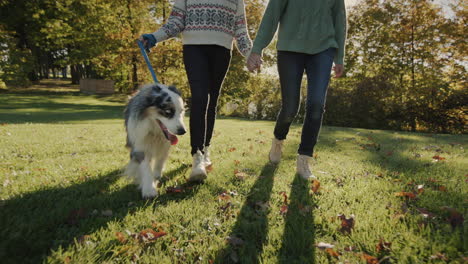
311 38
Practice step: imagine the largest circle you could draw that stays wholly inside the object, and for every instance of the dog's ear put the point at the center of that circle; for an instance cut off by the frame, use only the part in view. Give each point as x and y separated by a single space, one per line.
174 90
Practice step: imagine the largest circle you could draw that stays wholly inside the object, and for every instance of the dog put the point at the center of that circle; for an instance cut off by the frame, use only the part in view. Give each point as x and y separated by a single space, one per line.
153 119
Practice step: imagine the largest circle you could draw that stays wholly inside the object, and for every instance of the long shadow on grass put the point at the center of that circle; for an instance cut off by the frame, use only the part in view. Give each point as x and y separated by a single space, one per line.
33 224
299 231
40 107
252 223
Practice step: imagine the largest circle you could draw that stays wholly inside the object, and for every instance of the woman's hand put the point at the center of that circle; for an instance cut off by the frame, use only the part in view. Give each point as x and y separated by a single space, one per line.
339 70
148 40
254 62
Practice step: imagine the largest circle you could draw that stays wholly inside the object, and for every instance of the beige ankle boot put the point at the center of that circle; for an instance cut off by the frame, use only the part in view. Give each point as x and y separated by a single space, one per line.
206 157
198 168
303 168
276 150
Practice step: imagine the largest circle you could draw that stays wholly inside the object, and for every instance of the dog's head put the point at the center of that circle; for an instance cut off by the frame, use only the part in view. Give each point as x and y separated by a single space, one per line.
165 105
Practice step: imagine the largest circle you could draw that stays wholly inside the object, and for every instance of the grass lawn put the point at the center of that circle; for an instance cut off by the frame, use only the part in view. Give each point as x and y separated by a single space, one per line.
402 197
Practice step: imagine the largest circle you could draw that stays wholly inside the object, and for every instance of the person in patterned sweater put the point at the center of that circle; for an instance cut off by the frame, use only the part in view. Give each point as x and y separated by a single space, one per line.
208 29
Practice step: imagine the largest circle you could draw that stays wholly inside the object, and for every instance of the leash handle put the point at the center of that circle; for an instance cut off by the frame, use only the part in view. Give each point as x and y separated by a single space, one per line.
148 63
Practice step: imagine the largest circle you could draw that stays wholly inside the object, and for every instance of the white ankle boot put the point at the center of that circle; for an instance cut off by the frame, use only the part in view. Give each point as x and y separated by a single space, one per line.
303 168
206 157
276 150
198 168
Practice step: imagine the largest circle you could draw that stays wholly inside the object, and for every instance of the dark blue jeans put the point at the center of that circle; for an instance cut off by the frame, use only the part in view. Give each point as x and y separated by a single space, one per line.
291 67
206 67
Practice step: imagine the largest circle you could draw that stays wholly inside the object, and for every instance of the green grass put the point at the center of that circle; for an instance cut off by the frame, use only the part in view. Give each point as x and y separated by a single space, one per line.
63 200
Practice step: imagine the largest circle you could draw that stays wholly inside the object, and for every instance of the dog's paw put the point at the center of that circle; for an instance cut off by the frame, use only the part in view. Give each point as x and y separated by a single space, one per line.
149 193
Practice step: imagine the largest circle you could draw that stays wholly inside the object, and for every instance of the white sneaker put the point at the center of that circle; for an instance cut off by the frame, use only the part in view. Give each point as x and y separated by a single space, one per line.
206 157
198 168
276 150
303 168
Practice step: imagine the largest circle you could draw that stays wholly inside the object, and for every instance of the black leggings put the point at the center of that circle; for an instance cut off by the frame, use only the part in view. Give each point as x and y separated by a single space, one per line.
206 67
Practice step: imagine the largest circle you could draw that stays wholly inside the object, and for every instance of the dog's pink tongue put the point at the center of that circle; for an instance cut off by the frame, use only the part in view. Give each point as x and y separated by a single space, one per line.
173 139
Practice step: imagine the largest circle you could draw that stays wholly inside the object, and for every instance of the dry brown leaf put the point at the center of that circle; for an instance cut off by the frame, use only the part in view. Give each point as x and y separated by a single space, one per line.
370 259
406 195
347 224
456 218
284 209
332 253
383 246
315 186
121 237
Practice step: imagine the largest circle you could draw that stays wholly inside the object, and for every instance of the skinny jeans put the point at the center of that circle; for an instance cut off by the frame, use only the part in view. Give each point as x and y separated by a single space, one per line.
206 66
291 67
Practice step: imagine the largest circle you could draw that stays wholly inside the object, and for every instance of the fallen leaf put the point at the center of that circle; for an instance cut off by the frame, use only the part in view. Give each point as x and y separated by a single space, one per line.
225 207
370 259
442 188
347 224
224 197
455 219
350 248
284 209
240 175
332 253
437 158
236 162
406 195
315 186
420 188
285 196
383 247
121 237
174 189
232 149
149 235
439 256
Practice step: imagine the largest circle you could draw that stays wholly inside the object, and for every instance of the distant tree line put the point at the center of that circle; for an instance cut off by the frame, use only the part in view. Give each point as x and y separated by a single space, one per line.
406 60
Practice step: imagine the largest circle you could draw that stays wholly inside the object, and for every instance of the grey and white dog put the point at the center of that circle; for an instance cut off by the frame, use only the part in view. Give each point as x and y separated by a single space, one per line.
153 118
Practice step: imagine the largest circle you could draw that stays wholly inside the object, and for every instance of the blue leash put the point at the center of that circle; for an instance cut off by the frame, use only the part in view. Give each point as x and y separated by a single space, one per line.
148 63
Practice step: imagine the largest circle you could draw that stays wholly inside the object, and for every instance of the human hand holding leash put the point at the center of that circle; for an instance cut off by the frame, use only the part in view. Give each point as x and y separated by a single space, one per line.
148 40
254 62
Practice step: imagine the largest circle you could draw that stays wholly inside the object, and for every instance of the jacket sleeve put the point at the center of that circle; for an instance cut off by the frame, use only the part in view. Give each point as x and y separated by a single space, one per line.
175 24
339 13
241 34
269 24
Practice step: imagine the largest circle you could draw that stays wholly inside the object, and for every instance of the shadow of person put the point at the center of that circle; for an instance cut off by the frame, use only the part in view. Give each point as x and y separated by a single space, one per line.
251 227
299 231
33 224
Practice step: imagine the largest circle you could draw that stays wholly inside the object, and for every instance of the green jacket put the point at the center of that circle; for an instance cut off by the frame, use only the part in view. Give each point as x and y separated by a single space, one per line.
305 26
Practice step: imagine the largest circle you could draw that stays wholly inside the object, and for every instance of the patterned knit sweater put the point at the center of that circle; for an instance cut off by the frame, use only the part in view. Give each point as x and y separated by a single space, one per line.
205 22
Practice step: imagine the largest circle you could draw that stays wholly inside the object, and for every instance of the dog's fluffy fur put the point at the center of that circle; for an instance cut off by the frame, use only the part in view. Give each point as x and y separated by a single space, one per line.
152 119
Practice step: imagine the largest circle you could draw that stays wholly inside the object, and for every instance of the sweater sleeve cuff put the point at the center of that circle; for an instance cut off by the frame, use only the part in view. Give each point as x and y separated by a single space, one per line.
339 59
